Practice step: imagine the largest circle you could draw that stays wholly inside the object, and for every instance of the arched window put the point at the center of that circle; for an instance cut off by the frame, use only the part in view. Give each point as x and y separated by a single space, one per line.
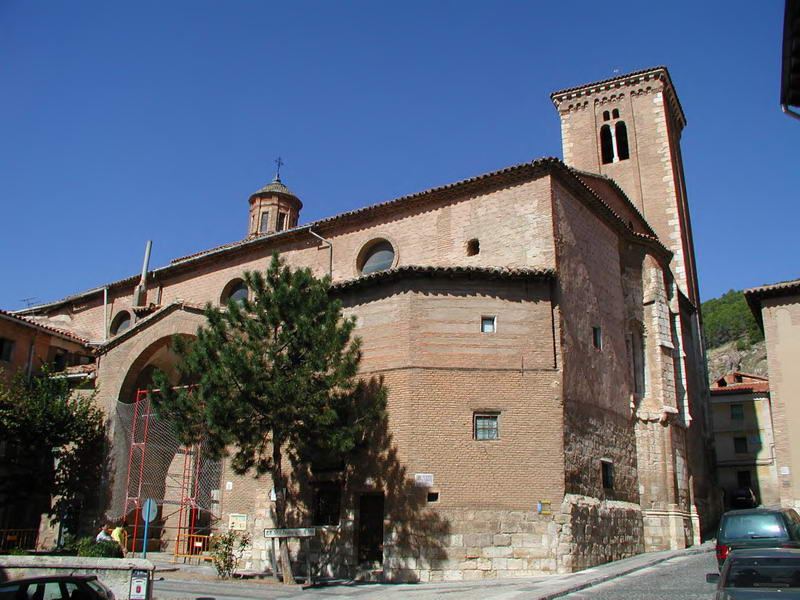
606 116
379 256
121 322
615 113
236 290
606 145
621 135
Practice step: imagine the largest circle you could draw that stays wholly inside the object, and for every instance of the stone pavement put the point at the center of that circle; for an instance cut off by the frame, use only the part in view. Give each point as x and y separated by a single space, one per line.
177 581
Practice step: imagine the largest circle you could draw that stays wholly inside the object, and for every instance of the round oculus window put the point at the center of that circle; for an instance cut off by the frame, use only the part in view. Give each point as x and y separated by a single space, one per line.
236 290
121 322
379 257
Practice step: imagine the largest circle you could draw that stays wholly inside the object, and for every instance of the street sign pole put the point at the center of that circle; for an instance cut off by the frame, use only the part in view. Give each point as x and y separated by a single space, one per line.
149 512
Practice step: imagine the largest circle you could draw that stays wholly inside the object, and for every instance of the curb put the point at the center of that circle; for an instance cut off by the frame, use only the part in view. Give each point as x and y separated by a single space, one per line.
626 571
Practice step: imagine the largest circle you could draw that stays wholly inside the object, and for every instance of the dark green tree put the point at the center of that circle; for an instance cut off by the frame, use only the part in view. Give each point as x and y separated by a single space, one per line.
727 319
275 378
54 442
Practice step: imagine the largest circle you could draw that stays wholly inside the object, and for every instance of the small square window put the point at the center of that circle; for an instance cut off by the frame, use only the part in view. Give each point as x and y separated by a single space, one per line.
433 496
488 324
6 349
737 412
597 338
486 426
607 473
740 445
327 503
473 247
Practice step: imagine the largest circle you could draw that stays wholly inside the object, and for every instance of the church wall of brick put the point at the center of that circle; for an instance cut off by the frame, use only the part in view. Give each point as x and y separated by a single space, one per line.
591 296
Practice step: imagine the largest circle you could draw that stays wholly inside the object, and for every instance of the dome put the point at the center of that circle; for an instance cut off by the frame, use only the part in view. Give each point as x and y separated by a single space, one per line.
275 187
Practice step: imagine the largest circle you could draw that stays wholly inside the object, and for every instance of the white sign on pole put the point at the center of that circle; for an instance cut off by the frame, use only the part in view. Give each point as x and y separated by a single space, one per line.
298 532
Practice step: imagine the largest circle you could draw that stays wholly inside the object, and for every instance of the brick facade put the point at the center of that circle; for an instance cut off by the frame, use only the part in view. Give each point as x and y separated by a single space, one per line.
588 367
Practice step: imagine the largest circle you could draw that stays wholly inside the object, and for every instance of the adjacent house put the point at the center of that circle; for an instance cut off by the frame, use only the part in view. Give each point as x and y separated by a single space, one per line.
743 438
777 310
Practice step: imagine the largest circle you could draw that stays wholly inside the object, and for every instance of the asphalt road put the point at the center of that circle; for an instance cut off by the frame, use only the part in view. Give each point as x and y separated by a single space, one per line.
673 575
681 578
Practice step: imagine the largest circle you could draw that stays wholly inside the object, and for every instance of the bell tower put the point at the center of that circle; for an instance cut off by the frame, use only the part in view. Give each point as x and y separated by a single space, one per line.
628 128
273 208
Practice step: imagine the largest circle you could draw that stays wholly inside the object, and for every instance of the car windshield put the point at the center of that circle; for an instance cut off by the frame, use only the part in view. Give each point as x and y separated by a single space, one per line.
746 527
97 587
764 573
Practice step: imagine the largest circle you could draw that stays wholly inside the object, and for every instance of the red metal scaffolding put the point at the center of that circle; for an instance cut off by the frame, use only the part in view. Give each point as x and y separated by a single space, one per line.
187 542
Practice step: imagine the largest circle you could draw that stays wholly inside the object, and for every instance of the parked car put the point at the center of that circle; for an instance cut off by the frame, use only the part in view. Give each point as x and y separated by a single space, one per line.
757 528
759 573
55 587
743 498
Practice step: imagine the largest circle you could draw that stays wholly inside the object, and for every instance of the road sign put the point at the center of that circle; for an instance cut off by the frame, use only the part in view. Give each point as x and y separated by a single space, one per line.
149 510
298 532
149 513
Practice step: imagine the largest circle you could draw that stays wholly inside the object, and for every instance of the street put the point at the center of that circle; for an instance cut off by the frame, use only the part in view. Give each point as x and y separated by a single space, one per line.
680 577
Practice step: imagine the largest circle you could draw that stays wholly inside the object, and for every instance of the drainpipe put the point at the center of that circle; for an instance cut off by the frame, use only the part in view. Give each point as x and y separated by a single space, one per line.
105 314
330 251
31 352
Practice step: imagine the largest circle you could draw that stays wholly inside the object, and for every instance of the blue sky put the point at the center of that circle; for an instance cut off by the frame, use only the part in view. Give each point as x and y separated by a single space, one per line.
127 121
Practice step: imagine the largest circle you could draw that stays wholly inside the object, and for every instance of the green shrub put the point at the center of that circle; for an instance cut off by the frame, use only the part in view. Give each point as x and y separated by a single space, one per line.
90 547
227 550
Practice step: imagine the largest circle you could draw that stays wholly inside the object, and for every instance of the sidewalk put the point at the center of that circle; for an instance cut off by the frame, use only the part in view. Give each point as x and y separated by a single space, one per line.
186 582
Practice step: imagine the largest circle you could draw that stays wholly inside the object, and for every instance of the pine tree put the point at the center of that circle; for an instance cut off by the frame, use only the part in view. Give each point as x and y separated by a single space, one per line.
274 377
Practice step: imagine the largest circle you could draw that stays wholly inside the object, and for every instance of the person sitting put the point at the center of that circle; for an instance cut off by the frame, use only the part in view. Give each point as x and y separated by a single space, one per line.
120 535
105 534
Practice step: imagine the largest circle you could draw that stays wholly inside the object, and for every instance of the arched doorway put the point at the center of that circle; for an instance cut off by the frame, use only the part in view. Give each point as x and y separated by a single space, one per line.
154 465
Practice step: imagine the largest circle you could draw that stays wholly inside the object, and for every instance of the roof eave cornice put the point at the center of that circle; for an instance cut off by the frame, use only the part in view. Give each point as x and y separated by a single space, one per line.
627 80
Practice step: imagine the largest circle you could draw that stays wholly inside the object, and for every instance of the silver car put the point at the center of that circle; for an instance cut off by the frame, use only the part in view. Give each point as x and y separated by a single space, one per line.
759 573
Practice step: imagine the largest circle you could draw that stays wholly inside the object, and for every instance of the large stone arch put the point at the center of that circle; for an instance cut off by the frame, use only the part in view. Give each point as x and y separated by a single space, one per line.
153 468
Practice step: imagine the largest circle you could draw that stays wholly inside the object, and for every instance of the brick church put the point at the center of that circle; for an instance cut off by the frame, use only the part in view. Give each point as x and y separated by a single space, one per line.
537 329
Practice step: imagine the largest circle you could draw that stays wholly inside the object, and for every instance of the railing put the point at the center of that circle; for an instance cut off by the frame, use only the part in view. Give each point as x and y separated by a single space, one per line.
18 538
192 545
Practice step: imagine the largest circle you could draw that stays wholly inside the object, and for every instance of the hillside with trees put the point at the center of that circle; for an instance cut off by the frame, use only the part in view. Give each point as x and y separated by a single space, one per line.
734 340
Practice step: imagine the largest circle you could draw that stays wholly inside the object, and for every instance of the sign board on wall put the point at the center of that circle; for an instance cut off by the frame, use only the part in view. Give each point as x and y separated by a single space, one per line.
423 479
237 522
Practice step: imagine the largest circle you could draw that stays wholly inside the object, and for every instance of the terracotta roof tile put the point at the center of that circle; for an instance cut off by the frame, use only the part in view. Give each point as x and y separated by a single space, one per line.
49 328
738 388
459 272
506 175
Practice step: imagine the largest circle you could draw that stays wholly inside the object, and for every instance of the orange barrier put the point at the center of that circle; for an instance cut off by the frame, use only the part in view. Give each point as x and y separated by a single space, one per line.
192 545
18 538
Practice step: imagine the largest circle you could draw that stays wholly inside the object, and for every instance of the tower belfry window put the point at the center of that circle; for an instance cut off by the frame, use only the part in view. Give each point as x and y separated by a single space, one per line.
613 139
621 136
606 145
